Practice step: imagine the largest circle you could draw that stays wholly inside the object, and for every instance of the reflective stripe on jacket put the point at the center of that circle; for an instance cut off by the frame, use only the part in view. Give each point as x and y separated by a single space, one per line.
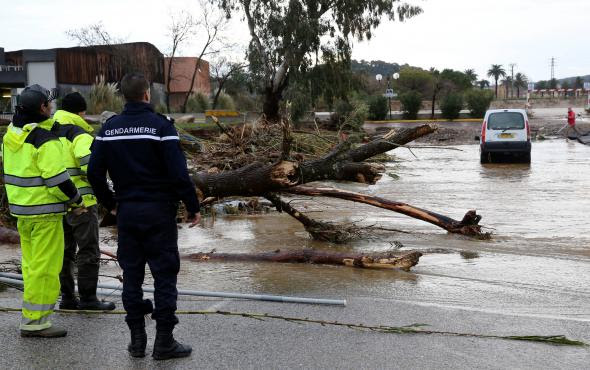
33 167
76 154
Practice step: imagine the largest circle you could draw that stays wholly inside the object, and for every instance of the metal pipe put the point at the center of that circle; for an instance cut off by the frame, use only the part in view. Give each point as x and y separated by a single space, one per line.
13 278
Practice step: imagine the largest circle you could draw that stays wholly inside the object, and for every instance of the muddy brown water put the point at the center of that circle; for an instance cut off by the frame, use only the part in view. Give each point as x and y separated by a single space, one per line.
537 264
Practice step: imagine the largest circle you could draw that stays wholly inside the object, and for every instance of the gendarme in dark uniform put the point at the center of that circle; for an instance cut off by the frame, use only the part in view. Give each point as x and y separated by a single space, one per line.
141 152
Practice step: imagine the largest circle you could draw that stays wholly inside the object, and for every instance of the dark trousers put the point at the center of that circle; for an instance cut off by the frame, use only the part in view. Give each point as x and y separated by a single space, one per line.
148 234
80 232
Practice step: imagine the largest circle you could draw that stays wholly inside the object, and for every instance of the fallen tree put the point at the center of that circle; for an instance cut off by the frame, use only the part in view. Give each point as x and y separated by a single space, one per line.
343 163
387 260
468 226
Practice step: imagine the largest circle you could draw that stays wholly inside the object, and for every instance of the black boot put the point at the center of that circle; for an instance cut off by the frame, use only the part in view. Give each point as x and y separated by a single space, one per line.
69 303
138 342
166 347
93 304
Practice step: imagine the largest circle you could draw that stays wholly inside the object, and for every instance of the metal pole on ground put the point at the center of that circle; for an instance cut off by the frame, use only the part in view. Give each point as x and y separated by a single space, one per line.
16 279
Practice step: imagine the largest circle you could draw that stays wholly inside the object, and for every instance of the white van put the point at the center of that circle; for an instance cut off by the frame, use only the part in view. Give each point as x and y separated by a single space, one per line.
505 133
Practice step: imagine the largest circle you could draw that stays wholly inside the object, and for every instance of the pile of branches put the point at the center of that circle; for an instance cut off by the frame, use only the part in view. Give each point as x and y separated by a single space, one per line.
260 141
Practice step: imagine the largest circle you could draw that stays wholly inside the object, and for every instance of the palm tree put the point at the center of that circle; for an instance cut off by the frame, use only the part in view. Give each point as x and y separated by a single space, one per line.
470 73
496 71
483 84
507 82
520 81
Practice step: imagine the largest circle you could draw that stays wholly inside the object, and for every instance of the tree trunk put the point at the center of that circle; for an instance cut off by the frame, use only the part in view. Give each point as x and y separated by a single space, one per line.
193 79
496 88
467 226
271 105
386 260
342 163
433 102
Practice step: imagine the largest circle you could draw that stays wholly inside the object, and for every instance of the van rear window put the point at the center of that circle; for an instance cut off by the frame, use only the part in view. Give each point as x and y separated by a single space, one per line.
505 120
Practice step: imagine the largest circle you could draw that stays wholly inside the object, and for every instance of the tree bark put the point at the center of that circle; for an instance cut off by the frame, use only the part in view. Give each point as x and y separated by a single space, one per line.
403 261
342 164
318 230
270 106
467 226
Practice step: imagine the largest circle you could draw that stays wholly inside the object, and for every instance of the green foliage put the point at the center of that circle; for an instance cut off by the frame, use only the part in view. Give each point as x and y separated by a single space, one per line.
246 103
299 101
471 75
553 83
104 96
578 83
225 101
378 108
374 67
451 105
349 115
161 108
496 71
414 79
565 85
478 102
541 85
483 84
197 103
411 104
287 35
455 80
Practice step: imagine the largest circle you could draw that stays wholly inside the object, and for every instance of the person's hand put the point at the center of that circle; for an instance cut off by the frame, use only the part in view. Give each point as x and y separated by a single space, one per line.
114 211
193 220
79 210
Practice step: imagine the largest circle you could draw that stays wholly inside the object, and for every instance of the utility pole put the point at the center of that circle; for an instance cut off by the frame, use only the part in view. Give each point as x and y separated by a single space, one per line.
552 68
512 65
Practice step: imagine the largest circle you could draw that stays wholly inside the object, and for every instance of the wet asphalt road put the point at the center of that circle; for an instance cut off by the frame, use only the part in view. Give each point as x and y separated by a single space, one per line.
99 342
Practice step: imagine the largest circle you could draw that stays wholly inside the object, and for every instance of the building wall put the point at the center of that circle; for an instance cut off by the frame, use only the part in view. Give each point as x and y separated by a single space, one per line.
181 76
86 65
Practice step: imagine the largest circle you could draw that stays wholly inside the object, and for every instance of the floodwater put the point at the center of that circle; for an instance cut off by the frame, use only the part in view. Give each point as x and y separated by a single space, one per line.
537 263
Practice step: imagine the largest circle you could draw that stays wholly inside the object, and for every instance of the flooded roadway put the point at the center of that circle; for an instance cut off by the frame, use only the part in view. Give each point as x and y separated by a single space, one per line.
532 278
536 265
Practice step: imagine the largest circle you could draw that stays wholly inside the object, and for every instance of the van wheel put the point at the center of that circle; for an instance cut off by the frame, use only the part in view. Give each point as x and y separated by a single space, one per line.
485 157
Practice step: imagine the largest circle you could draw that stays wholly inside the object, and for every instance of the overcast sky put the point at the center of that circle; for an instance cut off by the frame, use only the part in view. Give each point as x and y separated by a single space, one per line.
456 34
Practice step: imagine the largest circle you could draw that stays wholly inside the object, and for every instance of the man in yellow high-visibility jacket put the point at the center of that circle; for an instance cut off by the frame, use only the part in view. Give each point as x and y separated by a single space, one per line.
80 228
39 191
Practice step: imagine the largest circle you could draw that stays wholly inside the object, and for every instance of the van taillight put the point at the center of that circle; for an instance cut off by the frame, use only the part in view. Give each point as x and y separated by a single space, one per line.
528 131
483 132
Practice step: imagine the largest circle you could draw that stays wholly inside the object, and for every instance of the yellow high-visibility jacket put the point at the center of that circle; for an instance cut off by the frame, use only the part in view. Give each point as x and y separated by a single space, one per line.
76 143
33 167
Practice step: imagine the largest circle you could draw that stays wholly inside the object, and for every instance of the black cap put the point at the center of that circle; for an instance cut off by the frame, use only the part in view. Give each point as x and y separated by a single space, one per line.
33 97
73 103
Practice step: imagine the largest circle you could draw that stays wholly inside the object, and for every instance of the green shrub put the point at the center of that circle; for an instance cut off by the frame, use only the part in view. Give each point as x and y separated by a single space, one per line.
161 108
225 101
378 108
104 96
478 102
411 103
451 105
246 103
197 103
349 115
